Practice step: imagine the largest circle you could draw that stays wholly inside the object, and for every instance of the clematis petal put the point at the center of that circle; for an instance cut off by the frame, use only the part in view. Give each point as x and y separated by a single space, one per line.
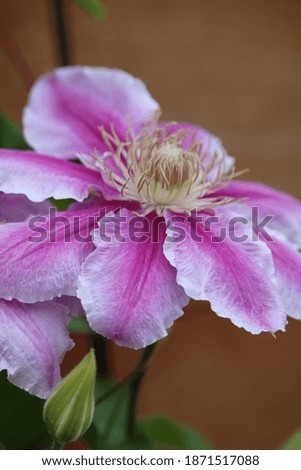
284 209
128 289
287 263
40 177
17 208
33 342
41 259
67 107
235 276
211 148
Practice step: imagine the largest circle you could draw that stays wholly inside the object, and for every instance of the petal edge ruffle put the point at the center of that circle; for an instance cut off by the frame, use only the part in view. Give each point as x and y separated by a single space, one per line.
235 277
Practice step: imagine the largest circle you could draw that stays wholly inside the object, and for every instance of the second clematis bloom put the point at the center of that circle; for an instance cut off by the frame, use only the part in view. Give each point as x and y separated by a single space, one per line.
205 241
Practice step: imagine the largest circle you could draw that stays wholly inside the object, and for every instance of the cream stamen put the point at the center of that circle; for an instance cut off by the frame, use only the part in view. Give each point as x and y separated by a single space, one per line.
160 172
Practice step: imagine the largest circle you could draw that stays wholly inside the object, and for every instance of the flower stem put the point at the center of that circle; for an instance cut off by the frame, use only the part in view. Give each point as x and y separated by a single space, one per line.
59 9
135 386
100 345
134 380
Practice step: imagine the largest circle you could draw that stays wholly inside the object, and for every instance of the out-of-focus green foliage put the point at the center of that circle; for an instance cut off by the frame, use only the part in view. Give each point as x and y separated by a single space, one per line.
10 136
21 421
168 433
94 8
79 325
61 204
294 442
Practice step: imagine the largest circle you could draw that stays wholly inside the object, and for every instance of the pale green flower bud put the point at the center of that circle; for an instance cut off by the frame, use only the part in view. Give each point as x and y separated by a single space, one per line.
68 411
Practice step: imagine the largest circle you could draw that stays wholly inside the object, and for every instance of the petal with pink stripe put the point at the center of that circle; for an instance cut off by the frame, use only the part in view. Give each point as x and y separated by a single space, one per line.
128 289
236 277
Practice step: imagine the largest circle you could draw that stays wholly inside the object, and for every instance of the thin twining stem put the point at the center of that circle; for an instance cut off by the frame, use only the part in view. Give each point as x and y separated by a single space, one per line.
135 387
100 344
135 380
61 27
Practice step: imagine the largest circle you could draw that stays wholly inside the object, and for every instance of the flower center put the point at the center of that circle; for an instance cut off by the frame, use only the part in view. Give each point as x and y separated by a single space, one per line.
162 168
170 166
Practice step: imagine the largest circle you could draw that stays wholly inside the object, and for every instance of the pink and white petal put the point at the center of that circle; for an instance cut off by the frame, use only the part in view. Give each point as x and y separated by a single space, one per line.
66 108
284 208
41 259
41 176
235 277
17 208
33 342
287 263
212 147
129 290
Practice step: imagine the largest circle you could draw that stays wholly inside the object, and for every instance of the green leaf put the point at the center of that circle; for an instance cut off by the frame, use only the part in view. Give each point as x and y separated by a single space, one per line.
79 325
10 136
21 421
168 433
294 442
140 442
94 8
61 204
109 423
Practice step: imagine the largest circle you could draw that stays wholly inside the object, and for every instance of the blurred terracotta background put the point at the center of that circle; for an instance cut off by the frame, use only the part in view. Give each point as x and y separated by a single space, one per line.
234 67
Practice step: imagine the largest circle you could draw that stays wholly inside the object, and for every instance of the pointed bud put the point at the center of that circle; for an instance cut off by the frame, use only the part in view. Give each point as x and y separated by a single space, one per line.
68 411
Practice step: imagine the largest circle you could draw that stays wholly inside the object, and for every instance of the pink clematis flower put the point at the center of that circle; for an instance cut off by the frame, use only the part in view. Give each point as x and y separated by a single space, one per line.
170 176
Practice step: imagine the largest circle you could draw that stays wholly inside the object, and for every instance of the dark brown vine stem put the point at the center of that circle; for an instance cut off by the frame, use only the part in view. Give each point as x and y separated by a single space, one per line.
100 345
135 387
134 380
59 14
